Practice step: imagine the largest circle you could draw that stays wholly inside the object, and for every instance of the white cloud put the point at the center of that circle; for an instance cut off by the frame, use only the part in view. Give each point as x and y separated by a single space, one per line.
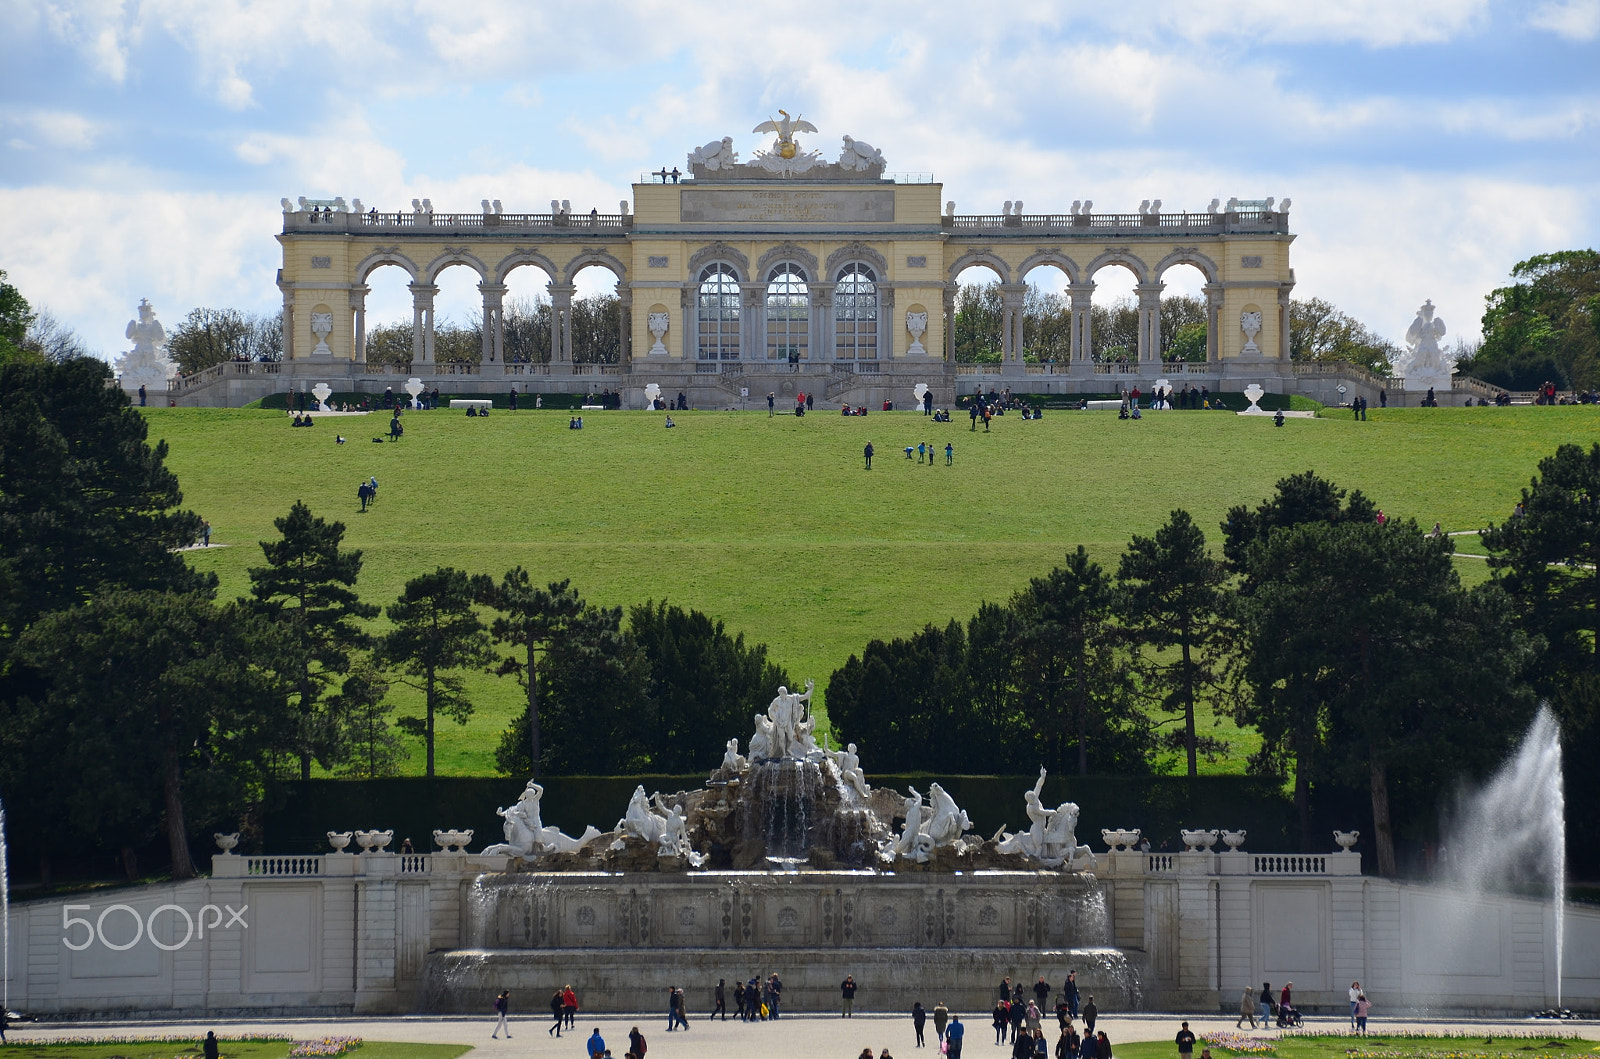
53 128
1577 20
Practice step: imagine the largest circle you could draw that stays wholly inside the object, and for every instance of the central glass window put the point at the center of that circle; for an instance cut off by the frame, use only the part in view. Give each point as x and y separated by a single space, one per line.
788 314
717 313
855 314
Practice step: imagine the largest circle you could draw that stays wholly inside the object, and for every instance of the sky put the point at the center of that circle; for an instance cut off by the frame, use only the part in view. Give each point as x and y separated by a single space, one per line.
1428 145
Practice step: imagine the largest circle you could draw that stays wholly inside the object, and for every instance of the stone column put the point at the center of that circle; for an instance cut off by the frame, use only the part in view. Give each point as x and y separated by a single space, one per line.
1283 322
1149 322
1213 293
624 324
358 307
422 322
288 325
689 332
561 323
889 325
494 331
1012 296
1082 295
753 322
950 323
824 329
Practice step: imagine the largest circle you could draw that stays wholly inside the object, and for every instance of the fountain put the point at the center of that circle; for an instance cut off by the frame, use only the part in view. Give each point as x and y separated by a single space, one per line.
1512 834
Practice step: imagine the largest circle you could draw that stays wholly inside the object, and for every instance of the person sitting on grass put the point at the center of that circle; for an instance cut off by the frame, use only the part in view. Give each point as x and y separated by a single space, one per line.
670 423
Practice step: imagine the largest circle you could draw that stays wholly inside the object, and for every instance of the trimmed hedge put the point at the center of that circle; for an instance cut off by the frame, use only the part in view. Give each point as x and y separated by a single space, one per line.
301 811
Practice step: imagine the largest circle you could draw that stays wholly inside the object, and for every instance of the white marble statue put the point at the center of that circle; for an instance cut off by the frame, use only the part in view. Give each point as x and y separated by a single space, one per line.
848 763
1052 837
859 156
938 824
789 731
658 324
1250 324
718 154
525 833
1422 339
785 158
147 364
912 842
949 821
917 325
732 760
652 820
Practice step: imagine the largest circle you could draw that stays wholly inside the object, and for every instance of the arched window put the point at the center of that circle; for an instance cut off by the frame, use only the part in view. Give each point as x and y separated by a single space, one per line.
718 313
855 314
788 314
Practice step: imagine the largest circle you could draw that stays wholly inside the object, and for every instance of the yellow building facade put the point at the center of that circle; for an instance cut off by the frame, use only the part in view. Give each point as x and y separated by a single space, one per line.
789 272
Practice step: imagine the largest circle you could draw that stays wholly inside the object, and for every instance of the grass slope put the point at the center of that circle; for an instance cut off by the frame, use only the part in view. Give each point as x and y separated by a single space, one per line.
772 524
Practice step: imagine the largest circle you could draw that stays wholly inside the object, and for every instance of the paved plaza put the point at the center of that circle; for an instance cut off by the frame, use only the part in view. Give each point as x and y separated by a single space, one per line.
807 1035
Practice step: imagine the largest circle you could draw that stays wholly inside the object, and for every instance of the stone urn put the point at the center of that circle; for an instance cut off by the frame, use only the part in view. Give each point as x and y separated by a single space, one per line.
322 391
226 842
1254 393
1119 840
339 840
453 841
658 324
1346 839
1233 840
414 387
381 839
1198 841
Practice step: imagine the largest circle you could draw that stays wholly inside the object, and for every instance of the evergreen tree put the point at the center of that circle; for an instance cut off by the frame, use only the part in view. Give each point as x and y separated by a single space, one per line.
907 704
436 634
1071 676
529 620
601 718
704 683
308 588
1173 600
160 711
85 503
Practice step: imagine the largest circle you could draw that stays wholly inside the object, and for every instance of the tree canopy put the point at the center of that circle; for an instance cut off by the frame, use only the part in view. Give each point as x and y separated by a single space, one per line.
1545 326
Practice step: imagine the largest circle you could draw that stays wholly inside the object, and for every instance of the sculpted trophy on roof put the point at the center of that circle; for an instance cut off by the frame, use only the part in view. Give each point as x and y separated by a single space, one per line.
786 157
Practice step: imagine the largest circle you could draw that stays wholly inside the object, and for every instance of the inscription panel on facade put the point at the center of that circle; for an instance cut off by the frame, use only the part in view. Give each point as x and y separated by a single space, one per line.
780 205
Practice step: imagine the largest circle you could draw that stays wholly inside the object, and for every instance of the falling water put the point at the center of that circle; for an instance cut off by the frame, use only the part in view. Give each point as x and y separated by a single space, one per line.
1512 834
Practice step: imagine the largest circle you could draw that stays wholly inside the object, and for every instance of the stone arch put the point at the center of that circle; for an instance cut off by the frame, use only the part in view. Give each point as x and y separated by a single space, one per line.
788 252
980 256
1052 256
1118 257
857 251
712 252
386 256
1189 256
456 256
594 256
518 258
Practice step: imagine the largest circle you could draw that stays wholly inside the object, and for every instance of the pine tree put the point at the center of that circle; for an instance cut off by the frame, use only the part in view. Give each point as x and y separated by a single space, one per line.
437 633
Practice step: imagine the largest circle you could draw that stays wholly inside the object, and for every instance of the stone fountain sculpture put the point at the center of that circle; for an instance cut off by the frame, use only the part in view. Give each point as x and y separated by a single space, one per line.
146 364
526 835
1427 367
1052 838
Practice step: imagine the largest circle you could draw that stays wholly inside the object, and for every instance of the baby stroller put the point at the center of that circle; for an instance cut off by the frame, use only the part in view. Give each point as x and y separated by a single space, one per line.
1288 1016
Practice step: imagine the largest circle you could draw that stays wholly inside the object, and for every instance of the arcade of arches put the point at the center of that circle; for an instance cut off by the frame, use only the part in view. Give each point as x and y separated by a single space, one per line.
736 276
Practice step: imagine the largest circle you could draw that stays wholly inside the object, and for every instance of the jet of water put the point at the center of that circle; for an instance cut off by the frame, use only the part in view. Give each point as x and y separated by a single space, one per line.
1512 834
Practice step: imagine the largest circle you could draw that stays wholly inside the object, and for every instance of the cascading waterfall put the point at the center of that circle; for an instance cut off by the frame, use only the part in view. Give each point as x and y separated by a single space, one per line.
1512 834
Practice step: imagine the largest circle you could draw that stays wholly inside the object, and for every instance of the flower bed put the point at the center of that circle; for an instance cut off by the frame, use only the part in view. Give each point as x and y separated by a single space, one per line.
324 1048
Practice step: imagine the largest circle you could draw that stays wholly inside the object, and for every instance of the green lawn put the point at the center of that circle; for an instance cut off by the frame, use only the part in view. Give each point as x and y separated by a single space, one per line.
773 525
1377 1045
257 1048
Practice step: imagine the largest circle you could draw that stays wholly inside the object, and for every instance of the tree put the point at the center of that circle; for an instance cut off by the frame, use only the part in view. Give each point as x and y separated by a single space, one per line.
15 318
53 340
1289 715
1173 599
529 620
703 683
1321 331
977 323
1047 326
1071 674
595 329
908 704
527 331
158 701
308 588
602 720
1182 318
1114 330
436 633
374 751
1189 343
1411 671
85 502
1544 326
389 345
209 336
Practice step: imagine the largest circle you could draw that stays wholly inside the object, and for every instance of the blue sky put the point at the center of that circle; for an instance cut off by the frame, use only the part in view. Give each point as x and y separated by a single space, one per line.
1428 145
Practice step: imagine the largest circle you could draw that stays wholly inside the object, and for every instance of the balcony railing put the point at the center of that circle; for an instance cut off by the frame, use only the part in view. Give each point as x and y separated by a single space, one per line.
605 223
1124 223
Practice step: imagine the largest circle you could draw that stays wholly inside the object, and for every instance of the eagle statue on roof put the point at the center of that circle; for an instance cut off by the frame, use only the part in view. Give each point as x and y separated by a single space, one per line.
786 147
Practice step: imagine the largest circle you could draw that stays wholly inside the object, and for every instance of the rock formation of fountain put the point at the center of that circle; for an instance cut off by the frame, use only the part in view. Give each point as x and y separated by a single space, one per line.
1512 834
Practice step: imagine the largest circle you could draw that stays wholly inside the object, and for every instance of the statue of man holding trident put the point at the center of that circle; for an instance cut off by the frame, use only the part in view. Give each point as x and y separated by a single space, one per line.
788 715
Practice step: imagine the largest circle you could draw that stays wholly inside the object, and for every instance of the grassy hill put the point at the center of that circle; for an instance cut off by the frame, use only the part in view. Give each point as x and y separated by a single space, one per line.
772 524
